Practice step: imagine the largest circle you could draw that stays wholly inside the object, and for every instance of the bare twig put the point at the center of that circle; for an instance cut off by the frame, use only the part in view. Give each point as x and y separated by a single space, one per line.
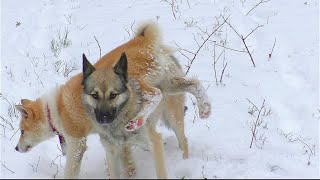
262 1
68 18
7 122
312 150
252 104
98 45
134 21
214 63
231 49
200 46
7 167
183 49
59 148
290 136
188 3
243 39
270 54
215 60
224 67
131 27
173 7
53 163
244 42
252 31
35 168
12 112
254 130
14 134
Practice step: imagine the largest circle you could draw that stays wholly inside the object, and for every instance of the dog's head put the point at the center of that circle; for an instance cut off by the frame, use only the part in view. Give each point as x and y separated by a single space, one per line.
33 126
105 91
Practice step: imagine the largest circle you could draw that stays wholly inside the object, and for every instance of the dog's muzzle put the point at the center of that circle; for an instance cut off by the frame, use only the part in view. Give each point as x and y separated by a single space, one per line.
105 117
23 150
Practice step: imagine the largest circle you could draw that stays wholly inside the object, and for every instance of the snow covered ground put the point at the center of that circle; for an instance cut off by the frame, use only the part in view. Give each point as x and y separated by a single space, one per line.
287 142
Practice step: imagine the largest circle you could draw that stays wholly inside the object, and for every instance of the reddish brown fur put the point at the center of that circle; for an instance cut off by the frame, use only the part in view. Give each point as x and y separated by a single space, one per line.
34 118
71 110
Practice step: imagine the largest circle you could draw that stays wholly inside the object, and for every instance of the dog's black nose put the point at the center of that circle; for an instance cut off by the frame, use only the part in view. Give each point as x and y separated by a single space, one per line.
105 119
17 149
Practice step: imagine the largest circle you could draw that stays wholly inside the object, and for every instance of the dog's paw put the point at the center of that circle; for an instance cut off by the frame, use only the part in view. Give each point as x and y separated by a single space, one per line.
134 124
131 171
204 110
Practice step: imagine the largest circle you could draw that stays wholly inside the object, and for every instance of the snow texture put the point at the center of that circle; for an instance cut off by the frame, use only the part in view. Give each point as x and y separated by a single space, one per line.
41 47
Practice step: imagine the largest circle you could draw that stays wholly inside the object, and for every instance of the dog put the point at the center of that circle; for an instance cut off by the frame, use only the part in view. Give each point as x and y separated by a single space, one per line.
142 83
62 112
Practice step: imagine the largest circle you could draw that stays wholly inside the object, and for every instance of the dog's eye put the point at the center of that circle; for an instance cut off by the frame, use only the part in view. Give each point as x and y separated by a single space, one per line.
95 96
22 132
112 95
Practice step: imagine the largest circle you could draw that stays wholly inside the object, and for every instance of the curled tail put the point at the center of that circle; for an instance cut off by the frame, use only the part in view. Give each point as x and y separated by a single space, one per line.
150 31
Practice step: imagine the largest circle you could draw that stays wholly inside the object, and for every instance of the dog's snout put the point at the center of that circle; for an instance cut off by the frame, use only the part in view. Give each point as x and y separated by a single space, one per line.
17 148
104 116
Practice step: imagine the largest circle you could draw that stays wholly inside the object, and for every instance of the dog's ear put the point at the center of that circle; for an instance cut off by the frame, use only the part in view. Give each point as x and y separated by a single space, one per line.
22 110
25 101
87 67
121 68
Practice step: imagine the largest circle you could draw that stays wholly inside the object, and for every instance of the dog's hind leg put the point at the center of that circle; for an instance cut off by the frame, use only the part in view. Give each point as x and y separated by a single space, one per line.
127 161
75 151
193 86
158 152
174 115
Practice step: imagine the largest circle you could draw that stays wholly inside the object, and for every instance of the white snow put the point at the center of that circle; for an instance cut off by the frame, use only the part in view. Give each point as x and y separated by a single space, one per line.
218 146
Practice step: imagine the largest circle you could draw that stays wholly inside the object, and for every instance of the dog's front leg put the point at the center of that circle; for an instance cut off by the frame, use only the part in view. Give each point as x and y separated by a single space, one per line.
75 150
113 156
151 97
127 161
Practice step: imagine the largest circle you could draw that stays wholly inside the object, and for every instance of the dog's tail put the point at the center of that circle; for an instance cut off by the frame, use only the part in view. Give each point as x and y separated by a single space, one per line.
150 32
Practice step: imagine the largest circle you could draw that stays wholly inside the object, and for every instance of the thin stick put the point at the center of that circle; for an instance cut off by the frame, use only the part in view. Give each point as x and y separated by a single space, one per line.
134 21
14 134
202 44
244 38
262 1
224 67
183 49
255 125
275 40
98 44
252 104
7 168
188 3
214 63
252 31
244 42
231 48
7 122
